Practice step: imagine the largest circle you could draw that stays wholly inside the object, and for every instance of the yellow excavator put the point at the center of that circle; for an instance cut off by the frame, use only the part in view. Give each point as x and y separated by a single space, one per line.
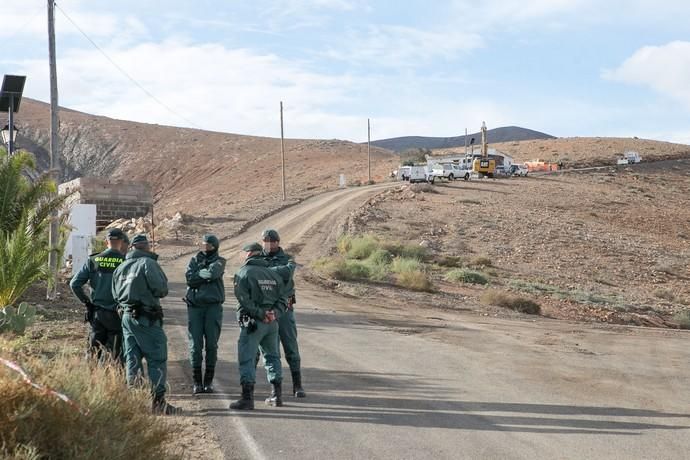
483 165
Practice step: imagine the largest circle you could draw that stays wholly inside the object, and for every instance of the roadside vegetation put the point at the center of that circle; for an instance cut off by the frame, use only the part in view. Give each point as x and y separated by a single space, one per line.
366 258
101 418
504 300
565 294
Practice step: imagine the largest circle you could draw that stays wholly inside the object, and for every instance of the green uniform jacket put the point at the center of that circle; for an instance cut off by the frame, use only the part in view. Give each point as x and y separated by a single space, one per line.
280 258
139 280
204 275
259 288
98 272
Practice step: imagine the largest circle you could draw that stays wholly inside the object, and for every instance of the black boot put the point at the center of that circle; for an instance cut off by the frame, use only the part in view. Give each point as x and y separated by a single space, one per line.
208 379
297 389
198 387
161 407
276 398
247 400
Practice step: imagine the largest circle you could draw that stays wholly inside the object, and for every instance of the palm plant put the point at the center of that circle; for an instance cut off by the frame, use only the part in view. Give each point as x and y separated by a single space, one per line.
23 262
25 210
20 196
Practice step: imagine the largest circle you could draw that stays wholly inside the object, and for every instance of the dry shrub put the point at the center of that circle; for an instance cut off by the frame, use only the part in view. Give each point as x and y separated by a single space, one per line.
114 422
501 299
423 187
416 280
342 269
683 319
665 294
450 261
481 261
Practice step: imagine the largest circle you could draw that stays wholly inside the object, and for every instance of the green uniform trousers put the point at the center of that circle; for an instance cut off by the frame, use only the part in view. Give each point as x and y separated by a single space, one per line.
288 337
203 326
287 330
264 339
144 338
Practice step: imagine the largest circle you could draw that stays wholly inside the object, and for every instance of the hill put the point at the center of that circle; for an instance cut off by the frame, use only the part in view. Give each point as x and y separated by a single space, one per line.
505 134
585 151
198 172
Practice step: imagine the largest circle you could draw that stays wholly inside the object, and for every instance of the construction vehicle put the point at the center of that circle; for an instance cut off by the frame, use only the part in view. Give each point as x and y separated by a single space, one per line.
484 166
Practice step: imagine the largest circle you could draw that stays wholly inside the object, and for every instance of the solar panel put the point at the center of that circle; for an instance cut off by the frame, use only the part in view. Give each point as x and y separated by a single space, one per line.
12 85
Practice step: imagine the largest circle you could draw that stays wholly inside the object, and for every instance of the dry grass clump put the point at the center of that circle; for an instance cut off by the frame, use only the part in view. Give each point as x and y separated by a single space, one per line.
683 319
665 294
481 261
416 280
111 421
501 299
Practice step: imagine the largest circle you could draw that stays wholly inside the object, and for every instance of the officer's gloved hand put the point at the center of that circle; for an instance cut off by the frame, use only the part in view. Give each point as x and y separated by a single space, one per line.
90 312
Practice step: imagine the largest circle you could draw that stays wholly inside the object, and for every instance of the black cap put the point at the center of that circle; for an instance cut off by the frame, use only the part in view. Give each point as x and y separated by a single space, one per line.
212 240
252 247
140 238
115 234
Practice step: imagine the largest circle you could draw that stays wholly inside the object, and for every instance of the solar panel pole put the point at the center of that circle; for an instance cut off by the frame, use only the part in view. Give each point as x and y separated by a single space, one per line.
10 119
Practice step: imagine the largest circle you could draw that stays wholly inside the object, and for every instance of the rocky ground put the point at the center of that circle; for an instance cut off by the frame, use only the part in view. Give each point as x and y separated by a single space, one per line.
608 245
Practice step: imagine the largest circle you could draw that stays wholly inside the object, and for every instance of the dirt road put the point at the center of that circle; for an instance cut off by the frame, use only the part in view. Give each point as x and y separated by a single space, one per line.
386 380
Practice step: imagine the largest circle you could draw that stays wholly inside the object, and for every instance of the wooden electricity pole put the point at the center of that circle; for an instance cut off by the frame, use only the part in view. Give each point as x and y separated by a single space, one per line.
53 233
368 151
282 149
465 141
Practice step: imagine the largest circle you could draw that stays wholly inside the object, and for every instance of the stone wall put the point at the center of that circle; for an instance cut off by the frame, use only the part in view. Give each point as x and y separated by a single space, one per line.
113 199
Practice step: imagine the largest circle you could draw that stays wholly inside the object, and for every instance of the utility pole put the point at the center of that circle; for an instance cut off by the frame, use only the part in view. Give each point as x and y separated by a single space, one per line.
465 141
282 149
369 151
54 151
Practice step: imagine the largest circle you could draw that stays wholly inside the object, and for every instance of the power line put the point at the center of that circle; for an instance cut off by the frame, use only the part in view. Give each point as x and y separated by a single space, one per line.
123 72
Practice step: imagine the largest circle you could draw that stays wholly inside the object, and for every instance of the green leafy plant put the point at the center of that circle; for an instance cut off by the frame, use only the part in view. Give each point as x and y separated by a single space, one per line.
466 276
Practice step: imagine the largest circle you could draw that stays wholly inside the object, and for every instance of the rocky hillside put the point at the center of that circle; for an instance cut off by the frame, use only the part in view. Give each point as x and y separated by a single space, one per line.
194 171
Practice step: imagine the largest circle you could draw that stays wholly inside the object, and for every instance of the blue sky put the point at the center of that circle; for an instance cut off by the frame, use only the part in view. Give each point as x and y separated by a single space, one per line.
565 67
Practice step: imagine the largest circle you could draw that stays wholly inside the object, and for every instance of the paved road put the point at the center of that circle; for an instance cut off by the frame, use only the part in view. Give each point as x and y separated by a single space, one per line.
391 383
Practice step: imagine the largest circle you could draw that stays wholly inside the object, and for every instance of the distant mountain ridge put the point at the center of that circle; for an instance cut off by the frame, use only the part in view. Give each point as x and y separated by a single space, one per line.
504 134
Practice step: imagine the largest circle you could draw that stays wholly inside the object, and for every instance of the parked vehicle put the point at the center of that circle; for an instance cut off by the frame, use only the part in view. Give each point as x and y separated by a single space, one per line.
628 158
420 174
517 169
450 171
500 171
404 172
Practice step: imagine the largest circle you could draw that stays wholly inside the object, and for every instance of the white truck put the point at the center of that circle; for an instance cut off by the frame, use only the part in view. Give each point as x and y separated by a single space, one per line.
450 171
628 158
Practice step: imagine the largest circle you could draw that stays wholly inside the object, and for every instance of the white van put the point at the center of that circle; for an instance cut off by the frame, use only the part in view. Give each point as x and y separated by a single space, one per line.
420 174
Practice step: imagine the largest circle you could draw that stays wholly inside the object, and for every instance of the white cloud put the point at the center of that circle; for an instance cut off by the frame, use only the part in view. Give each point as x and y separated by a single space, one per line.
665 69
218 88
401 46
502 12
31 21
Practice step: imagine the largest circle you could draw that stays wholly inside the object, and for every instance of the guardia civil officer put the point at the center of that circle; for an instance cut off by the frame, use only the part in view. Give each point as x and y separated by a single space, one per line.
260 293
287 326
101 308
204 298
138 285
